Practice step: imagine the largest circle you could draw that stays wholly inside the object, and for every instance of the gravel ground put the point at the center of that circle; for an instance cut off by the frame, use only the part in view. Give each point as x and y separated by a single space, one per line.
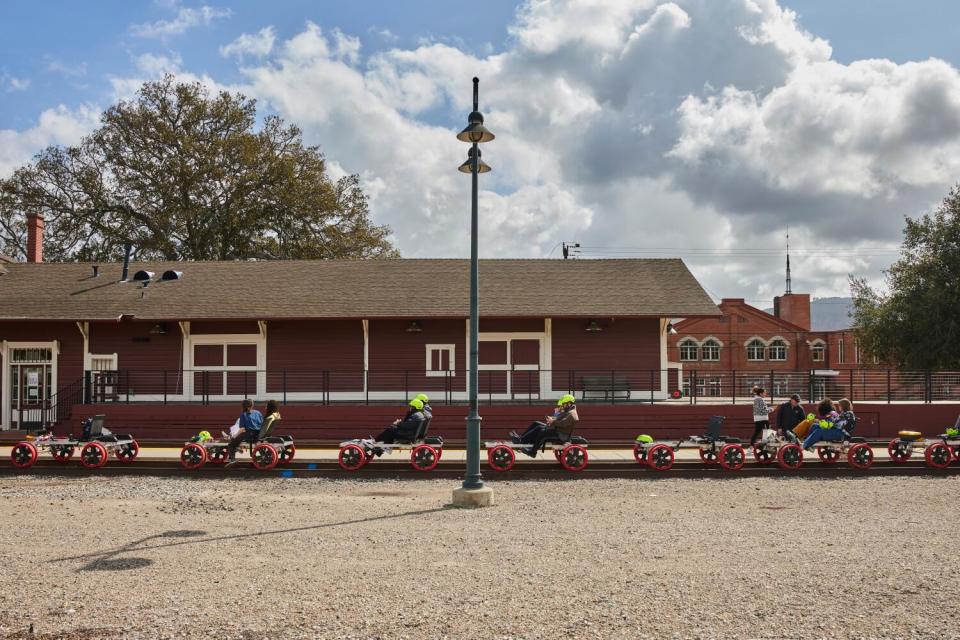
318 558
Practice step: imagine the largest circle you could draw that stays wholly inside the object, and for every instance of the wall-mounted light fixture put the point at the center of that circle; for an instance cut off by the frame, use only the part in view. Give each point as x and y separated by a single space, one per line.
159 329
414 327
593 327
670 330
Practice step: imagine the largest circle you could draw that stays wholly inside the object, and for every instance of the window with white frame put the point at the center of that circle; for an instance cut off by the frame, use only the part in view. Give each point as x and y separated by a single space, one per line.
441 360
688 350
841 356
756 350
856 351
711 351
818 351
715 388
778 350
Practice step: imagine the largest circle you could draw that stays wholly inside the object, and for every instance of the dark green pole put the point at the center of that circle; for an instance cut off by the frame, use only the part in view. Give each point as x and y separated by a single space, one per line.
473 479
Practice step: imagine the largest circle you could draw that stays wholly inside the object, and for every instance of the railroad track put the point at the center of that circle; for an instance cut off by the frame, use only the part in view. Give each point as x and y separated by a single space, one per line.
454 470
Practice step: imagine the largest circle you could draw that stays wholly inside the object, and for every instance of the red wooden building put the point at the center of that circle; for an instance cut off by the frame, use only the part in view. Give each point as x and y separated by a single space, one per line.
332 331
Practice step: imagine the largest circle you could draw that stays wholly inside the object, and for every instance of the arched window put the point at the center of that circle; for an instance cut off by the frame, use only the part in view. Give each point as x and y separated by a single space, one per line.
711 351
688 350
756 349
778 350
818 351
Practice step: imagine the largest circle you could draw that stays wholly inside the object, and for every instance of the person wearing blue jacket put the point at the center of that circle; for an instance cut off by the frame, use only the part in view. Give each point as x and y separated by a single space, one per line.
250 423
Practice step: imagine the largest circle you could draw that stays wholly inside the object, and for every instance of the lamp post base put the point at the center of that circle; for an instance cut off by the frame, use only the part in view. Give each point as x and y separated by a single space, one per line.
472 498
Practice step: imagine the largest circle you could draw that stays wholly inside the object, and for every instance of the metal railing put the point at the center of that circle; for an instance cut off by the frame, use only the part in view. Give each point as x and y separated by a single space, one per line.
526 385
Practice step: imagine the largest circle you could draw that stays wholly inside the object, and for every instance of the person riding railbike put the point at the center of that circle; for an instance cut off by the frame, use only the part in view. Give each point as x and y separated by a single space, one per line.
427 410
827 426
560 426
405 428
250 423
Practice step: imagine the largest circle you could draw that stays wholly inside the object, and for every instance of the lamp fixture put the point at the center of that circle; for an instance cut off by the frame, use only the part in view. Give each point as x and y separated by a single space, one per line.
670 329
467 166
414 327
593 327
159 329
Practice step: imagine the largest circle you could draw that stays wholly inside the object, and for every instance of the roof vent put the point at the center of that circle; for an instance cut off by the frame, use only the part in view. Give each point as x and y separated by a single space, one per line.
171 275
141 276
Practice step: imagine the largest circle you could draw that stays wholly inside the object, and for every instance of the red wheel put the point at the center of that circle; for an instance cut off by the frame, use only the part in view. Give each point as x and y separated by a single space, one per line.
732 457
938 455
128 452
860 456
640 454
424 458
192 456
217 455
709 456
62 453
93 455
828 455
763 455
23 455
265 457
501 458
956 451
558 454
287 453
574 457
660 457
899 451
790 456
352 457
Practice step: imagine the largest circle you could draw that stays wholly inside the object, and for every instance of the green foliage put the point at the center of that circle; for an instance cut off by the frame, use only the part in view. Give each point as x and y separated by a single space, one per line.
916 324
184 175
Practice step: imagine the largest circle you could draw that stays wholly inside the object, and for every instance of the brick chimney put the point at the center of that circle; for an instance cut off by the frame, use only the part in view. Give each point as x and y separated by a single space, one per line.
34 237
793 307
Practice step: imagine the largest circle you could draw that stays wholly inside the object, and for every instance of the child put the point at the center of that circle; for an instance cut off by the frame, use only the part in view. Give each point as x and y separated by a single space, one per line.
761 414
825 428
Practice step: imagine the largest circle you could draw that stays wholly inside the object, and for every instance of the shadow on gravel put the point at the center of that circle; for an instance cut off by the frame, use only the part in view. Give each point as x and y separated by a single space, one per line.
108 561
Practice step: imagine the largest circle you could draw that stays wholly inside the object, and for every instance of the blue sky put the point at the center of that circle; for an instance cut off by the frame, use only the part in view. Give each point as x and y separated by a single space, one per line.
703 129
68 49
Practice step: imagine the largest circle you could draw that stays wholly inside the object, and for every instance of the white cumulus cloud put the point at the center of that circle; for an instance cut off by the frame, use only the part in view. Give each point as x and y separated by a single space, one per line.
254 45
186 19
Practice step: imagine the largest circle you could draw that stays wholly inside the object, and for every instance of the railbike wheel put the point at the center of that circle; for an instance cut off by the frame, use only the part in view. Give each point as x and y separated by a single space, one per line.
23 455
828 455
640 454
501 458
352 457
62 452
790 456
218 455
192 456
424 458
860 456
763 455
93 455
265 457
732 457
660 457
127 452
709 456
574 458
899 451
938 455
287 454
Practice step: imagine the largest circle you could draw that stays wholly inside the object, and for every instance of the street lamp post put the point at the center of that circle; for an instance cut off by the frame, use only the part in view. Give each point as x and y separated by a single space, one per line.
473 492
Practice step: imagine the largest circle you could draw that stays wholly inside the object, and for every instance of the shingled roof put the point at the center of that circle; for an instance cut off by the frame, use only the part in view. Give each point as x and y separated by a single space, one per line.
354 289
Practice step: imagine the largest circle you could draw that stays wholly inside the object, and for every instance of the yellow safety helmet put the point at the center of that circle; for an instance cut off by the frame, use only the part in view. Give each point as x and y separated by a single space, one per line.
417 404
567 399
205 435
422 397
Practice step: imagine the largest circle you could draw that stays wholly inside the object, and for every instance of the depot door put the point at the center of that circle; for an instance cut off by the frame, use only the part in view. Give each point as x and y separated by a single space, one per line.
31 385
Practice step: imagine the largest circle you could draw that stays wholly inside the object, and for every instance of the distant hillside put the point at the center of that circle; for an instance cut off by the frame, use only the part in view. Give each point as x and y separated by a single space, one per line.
829 314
